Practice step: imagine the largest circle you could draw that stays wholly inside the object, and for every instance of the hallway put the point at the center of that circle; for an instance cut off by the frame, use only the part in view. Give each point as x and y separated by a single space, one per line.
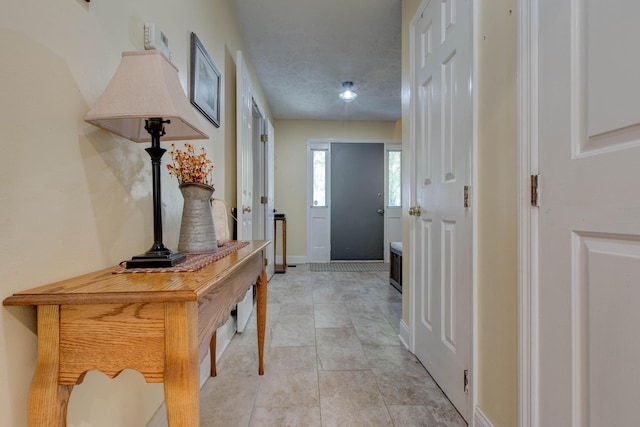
332 357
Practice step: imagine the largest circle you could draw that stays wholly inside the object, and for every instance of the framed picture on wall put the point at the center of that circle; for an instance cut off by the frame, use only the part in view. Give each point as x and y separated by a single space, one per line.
205 82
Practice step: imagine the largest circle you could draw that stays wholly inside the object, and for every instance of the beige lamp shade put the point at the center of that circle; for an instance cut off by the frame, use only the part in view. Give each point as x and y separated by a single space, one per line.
145 85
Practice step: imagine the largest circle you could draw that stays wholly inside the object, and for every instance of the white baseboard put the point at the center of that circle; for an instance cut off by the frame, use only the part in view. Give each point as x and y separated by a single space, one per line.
243 310
292 260
224 335
404 334
480 419
160 418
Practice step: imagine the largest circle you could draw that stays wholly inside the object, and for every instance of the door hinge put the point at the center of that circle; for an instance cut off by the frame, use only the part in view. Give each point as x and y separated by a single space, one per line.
466 196
466 381
266 262
534 190
264 200
264 137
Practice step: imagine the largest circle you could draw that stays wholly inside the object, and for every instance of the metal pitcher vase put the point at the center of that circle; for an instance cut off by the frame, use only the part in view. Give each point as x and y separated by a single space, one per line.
197 232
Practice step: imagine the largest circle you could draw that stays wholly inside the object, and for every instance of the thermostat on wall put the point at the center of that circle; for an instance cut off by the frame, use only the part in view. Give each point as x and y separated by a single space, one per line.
155 39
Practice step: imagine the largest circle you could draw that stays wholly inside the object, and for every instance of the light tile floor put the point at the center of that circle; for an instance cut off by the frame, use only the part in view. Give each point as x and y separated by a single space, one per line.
332 358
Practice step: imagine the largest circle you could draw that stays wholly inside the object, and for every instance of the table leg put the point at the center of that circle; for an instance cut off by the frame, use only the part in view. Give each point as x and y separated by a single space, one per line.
47 402
181 391
212 350
261 307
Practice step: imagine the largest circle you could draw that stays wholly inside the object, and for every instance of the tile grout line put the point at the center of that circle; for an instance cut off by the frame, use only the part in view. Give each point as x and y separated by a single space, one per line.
315 341
375 358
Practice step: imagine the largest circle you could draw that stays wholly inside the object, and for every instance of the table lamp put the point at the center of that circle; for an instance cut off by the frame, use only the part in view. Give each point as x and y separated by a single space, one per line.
143 102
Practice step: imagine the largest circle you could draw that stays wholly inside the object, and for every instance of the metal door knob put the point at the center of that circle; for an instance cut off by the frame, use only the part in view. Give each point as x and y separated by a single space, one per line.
380 211
247 209
415 210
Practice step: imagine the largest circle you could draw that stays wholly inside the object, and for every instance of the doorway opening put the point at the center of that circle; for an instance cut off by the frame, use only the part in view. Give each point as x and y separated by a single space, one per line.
353 199
255 166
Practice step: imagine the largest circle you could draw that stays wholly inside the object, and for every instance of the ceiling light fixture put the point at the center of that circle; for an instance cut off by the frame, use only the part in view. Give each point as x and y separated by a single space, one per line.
348 94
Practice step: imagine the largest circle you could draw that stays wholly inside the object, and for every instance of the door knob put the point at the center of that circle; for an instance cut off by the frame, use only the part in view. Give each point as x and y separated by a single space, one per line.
380 211
247 209
415 210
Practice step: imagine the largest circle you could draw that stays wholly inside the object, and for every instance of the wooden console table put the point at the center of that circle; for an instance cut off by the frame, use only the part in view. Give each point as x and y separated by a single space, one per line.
159 324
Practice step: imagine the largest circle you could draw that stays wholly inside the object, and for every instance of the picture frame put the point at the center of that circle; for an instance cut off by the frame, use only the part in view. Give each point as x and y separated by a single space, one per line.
205 82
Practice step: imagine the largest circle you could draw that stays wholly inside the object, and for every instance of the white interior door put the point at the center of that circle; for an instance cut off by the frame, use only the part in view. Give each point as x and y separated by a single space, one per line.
441 235
586 315
270 193
244 138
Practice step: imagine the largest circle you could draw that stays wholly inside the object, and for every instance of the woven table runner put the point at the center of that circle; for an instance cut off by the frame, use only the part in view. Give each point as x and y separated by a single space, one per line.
194 262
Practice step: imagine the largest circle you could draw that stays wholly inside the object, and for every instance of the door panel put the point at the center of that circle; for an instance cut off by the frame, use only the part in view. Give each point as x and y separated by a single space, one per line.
441 235
425 310
319 225
589 232
448 280
357 201
603 308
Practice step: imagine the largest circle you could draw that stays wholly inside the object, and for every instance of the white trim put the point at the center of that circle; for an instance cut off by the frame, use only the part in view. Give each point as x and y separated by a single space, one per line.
159 419
411 170
527 216
474 381
352 141
244 309
292 260
404 334
295 260
480 419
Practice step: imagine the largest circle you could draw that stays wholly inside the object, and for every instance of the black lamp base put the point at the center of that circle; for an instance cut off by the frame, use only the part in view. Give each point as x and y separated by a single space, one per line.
156 260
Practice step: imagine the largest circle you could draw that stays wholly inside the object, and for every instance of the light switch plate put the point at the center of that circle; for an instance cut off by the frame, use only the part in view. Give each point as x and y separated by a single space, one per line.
155 39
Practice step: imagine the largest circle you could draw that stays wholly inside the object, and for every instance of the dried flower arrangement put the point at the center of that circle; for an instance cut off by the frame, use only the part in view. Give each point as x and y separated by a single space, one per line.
189 166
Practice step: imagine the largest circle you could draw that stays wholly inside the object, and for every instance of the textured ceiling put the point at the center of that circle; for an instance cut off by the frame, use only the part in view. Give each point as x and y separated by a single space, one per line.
303 50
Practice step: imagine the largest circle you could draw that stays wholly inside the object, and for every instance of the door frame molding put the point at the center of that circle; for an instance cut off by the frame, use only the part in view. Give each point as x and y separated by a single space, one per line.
263 216
325 143
261 154
528 225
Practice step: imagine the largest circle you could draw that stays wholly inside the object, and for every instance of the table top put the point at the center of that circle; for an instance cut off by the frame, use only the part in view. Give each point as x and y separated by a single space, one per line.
105 287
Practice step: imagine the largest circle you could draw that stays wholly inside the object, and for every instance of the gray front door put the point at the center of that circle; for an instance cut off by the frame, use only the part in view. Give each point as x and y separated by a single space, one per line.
357 201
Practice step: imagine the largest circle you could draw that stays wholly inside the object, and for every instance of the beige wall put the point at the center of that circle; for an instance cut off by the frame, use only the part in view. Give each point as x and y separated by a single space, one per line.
497 209
74 198
291 166
497 212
